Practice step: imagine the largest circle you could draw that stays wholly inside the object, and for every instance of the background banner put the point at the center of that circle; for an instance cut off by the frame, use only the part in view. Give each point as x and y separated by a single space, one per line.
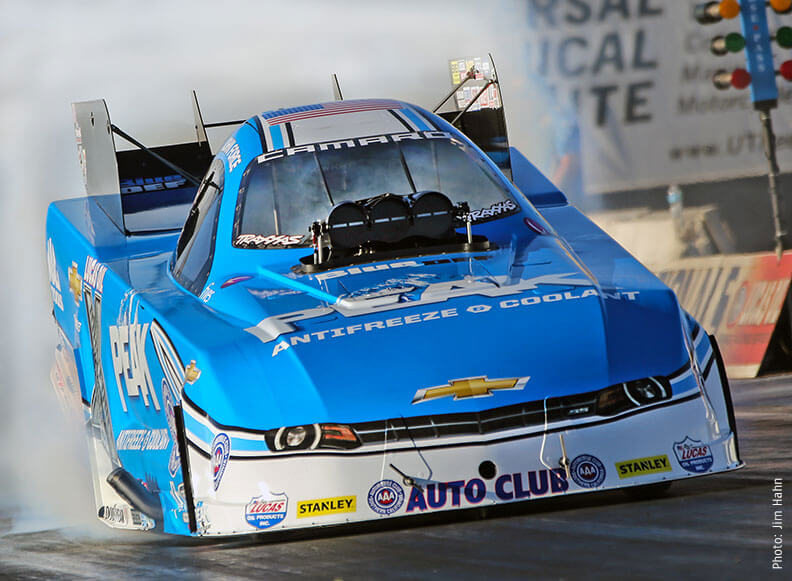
738 298
628 84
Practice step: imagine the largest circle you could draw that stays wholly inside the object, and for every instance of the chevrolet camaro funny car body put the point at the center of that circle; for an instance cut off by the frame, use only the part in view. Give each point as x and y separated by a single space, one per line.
363 317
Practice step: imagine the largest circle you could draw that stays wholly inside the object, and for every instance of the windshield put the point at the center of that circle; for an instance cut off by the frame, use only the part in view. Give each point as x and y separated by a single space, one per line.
284 191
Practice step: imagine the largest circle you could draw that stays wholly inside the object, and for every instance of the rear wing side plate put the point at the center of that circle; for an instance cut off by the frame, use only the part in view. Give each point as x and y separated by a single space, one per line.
96 152
143 190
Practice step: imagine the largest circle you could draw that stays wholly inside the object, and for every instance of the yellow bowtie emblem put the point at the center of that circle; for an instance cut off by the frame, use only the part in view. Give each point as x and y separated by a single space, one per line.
191 372
75 283
470 387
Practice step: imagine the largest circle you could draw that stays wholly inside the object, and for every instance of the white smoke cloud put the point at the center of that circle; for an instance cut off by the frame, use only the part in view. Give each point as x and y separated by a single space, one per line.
242 56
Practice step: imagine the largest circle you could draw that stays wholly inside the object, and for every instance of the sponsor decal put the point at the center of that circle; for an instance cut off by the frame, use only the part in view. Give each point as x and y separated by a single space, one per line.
136 185
393 286
100 411
172 367
325 506
113 514
221 449
495 209
174 462
587 471
123 516
341 272
358 142
385 497
180 500
207 293
141 521
641 466
364 328
271 240
274 327
231 150
470 387
202 521
693 455
143 440
516 486
738 298
54 277
94 274
236 279
267 510
191 373
75 283
384 290
128 353
272 293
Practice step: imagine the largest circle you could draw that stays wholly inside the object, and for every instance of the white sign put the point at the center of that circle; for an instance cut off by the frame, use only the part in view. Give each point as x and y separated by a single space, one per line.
627 86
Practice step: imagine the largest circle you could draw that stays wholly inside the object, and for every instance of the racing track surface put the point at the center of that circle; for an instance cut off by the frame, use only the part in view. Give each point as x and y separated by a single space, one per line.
714 527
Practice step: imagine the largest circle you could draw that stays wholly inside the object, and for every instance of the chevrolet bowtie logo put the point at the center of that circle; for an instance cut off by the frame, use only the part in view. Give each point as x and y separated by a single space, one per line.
191 372
470 387
75 283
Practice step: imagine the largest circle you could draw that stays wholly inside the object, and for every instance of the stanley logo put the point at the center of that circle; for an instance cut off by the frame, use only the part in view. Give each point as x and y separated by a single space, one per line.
641 466
470 387
323 506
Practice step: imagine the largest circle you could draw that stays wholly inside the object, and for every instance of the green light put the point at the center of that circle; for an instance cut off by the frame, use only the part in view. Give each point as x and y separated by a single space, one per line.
735 42
784 37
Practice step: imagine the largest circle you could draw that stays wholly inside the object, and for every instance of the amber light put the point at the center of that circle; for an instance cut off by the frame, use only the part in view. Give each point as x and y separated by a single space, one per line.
338 432
338 436
731 8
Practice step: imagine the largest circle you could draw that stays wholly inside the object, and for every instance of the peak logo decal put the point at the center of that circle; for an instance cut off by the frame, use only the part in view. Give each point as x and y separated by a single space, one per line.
386 497
472 387
693 455
128 352
489 287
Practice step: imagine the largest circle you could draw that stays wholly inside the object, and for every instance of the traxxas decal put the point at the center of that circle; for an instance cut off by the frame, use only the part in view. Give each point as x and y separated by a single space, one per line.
495 209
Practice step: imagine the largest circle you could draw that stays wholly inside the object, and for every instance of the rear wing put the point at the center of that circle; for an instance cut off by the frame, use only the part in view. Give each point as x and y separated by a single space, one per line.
477 110
143 190
477 107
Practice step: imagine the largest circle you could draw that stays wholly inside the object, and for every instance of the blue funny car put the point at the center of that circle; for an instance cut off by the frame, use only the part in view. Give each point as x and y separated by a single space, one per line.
360 313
